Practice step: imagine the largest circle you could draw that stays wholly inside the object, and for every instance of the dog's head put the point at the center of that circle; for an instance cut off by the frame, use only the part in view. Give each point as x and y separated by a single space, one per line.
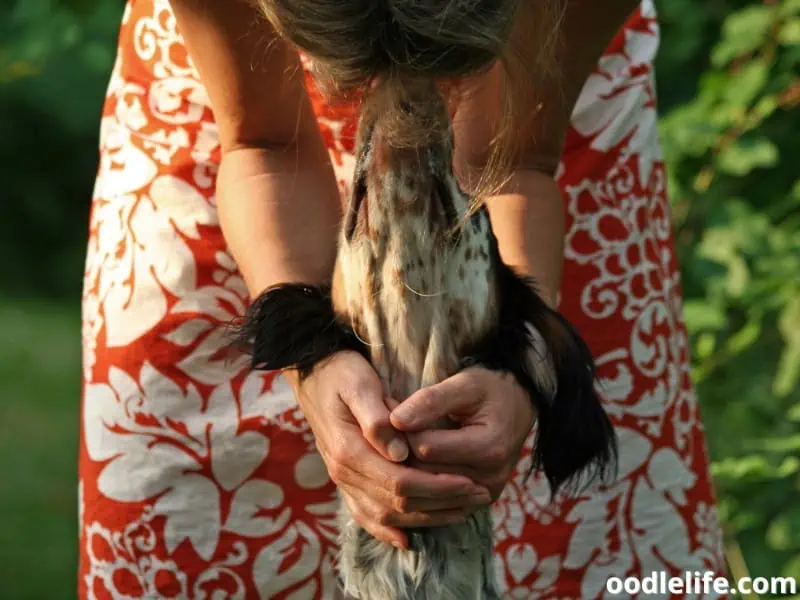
404 165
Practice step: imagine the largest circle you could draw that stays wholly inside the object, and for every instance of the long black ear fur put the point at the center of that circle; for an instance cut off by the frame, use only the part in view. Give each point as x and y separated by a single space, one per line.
575 441
293 325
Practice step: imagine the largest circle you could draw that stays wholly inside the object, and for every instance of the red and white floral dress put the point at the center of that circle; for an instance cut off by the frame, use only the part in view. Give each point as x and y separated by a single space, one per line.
199 480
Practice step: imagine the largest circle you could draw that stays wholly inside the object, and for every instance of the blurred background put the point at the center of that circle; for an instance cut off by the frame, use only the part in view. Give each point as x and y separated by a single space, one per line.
729 92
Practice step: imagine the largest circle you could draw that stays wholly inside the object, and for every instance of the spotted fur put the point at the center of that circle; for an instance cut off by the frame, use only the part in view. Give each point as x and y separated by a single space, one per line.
412 278
420 289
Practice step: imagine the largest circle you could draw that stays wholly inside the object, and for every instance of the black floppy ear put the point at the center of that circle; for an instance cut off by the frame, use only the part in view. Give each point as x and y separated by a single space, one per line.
575 441
293 325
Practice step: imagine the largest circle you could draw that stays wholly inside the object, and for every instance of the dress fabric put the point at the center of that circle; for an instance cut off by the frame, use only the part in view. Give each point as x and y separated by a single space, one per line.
201 481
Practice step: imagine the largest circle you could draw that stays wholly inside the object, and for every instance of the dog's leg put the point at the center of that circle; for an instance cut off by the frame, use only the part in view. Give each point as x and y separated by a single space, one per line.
439 360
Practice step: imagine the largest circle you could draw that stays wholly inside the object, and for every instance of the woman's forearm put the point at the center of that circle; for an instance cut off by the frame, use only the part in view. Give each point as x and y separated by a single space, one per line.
276 194
279 210
528 220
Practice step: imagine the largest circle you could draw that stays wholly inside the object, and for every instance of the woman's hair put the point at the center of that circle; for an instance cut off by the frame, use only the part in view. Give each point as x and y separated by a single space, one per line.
386 51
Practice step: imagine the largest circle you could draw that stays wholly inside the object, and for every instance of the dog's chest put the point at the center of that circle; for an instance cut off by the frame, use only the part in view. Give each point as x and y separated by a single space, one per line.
418 297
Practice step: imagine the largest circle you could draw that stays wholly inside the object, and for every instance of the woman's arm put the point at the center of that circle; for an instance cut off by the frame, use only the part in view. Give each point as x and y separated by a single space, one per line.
527 215
279 210
276 194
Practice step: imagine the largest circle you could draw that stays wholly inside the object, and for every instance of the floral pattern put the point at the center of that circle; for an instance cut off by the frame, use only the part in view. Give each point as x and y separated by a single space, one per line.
199 480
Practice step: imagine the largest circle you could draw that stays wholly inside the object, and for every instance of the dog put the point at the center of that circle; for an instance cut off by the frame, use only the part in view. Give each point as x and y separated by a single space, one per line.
419 289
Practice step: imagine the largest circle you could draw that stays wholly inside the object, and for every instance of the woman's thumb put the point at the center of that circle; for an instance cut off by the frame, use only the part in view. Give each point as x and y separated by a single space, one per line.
427 408
371 413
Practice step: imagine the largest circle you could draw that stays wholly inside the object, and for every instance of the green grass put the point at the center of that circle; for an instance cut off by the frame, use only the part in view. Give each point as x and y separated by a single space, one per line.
39 400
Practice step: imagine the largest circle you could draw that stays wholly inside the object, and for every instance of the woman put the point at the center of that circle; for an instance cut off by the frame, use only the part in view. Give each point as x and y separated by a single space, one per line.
199 480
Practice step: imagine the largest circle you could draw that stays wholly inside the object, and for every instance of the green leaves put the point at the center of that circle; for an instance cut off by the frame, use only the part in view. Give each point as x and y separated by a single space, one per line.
54 68
35 32
732 153
783 532
749 81
703 316
788 374
742 156
790 32
744 32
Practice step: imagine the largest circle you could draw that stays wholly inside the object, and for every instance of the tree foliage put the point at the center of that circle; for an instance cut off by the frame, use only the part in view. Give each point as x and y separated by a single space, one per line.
54 64
729 92
732 150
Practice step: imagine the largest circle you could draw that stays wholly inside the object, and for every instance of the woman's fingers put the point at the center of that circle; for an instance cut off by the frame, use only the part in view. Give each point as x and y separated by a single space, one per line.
384 533
463 470
400 504
363 395
456 503
396 484
350 453
431 405
404 482
387 525
494 480
400 489
468 445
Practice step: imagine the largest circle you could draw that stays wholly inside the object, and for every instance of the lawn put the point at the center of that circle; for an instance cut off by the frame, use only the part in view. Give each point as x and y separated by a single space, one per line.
39 393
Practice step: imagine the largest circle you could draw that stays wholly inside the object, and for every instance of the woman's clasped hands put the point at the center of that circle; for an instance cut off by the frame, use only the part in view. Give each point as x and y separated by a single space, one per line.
393 468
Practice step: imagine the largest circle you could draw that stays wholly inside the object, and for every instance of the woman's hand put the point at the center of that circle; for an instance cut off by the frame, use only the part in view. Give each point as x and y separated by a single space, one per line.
495 417
343 402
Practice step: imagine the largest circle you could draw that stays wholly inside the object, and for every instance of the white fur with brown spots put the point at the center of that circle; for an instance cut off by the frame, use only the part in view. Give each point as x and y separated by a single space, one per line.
415 280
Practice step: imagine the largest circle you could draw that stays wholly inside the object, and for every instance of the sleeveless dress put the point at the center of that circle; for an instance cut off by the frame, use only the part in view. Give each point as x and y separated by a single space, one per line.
201 481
